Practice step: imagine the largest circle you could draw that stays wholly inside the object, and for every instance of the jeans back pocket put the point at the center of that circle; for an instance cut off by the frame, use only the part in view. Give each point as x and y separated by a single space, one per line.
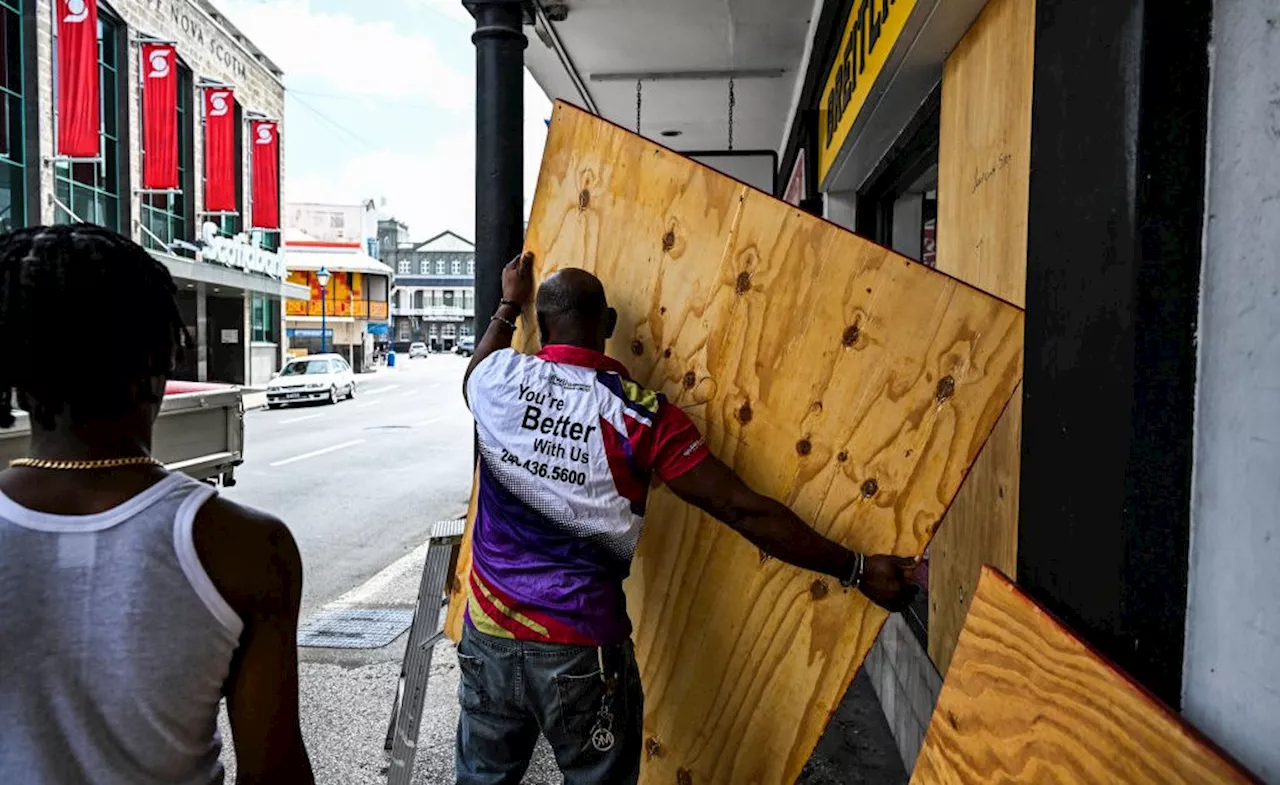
579 698
471 691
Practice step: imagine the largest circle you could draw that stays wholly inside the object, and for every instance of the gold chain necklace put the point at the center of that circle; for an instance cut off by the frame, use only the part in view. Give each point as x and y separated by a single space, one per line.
105 463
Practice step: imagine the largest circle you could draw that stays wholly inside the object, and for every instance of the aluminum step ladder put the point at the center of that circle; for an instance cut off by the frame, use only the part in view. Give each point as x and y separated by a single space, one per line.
424 633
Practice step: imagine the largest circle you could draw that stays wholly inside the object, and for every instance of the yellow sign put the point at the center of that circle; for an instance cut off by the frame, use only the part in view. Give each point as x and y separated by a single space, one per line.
874 26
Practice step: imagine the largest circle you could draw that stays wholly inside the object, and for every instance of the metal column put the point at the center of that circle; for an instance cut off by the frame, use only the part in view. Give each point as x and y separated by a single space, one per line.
500 44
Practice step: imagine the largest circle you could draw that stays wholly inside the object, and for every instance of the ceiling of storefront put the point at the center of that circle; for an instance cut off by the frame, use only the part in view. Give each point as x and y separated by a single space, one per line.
684 49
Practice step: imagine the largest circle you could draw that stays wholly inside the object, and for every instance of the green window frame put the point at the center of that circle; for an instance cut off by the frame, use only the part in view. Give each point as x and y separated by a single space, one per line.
92 189
13 126
165 215
264 319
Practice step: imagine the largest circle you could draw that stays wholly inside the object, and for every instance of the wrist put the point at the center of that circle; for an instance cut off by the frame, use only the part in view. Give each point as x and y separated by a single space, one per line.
513 302
851 573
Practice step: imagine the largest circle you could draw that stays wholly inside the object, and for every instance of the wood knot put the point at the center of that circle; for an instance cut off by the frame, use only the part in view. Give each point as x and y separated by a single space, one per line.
744 283
637 347
667 353
946 388
690 379
804 447
816 408
668 241
652 747
584 199
1000 490
818 589
951 719
745 413
683 777
842 457
850 335
870 488
662 310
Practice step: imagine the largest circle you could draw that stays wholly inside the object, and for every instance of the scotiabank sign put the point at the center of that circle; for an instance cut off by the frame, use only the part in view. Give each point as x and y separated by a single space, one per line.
239 253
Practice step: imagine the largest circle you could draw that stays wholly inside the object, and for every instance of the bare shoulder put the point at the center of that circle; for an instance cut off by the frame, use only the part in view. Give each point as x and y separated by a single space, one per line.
250 555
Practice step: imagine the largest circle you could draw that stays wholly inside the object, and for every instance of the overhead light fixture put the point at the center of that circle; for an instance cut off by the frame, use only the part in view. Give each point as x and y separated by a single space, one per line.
671 133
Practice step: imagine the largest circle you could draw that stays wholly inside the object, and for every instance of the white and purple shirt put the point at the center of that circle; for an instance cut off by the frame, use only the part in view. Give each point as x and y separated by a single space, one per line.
569 446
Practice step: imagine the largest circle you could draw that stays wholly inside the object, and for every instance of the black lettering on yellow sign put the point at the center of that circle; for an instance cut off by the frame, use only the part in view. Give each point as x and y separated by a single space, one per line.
869 19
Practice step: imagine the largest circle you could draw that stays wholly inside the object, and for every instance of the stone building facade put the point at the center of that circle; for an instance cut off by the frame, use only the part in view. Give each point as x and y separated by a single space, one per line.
231 280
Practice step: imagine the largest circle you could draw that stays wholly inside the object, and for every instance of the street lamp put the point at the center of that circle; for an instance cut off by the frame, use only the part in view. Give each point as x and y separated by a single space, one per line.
322 278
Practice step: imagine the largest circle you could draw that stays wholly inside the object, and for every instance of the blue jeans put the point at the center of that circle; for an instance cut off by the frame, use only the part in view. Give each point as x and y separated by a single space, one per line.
512 690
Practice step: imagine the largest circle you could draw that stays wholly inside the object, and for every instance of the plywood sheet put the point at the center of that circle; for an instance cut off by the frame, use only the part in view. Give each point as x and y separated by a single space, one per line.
984 171
1025 701
847 381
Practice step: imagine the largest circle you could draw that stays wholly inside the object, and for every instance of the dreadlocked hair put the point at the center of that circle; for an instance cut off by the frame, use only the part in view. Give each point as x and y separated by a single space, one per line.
80 285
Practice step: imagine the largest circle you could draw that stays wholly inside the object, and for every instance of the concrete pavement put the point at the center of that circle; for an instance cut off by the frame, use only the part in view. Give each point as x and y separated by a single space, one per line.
359 485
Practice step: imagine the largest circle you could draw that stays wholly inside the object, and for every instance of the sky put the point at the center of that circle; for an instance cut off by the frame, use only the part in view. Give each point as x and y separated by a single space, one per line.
380 104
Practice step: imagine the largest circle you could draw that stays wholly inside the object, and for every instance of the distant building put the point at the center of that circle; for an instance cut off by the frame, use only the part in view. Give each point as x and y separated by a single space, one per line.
351 316
336 223
433 297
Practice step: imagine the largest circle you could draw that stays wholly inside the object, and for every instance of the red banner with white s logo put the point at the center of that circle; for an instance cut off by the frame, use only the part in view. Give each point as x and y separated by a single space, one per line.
159 117
266 174
79 116
220 166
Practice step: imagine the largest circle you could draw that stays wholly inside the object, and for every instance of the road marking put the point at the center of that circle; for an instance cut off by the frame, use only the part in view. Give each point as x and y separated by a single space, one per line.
381 390
316 453
427 422
300 419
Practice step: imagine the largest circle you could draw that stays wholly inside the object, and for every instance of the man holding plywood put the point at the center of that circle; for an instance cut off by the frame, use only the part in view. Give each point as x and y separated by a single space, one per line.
569 445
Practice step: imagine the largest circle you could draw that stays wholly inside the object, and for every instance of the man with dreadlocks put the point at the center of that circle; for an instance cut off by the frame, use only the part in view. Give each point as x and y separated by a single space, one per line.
132 600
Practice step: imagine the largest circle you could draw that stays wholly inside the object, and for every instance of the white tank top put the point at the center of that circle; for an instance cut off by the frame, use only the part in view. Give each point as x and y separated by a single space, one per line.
114 644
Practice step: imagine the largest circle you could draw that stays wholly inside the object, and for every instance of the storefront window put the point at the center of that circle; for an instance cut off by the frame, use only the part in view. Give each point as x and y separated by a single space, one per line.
165 215
265 319
92 190
12 124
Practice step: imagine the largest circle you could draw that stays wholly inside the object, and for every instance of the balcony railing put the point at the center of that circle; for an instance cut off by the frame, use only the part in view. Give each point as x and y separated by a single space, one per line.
454 312
359 309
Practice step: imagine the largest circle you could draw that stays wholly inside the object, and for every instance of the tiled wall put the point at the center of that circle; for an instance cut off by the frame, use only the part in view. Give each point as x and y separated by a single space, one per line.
906 683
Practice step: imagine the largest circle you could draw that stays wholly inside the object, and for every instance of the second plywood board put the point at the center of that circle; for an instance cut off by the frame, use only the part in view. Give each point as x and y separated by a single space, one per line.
847 381
1025 701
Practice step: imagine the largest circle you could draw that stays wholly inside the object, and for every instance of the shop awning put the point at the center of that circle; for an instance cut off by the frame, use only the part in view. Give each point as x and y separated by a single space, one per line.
217 275
336 257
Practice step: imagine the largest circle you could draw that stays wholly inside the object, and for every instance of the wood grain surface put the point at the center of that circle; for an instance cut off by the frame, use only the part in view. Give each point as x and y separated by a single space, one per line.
1025 701
984 177
831 373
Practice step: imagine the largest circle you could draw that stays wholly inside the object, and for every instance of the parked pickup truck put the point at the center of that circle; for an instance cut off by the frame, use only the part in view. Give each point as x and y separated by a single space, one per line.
200 432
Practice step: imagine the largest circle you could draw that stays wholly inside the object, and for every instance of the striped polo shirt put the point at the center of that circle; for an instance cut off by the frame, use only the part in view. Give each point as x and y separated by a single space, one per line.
569 446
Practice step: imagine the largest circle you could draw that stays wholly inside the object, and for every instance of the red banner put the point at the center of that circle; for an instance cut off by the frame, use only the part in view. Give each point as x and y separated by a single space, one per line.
220 166
266 174
79 117
159 117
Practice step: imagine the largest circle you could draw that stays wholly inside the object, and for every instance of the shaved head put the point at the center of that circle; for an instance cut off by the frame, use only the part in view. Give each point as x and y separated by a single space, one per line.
572 309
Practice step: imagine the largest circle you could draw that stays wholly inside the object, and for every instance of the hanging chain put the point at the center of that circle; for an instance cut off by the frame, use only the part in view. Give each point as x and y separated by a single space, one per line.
732 103
639 92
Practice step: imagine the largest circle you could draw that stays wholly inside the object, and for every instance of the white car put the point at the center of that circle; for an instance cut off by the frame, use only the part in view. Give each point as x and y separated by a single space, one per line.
318 377
418 349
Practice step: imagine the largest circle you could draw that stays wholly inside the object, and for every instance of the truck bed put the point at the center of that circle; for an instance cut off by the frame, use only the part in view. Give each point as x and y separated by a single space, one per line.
200 432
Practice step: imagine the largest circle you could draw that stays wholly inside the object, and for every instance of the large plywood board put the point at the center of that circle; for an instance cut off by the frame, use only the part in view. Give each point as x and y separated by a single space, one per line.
984 171
849 382
1025 701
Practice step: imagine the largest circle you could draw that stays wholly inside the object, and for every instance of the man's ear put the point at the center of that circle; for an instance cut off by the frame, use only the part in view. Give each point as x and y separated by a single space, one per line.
611 324
542 330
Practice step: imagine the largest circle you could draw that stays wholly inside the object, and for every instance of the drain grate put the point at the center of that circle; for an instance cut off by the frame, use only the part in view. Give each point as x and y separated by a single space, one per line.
354 628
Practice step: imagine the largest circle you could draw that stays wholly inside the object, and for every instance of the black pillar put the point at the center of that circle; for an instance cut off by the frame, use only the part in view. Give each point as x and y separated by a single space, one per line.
500 44
1117 195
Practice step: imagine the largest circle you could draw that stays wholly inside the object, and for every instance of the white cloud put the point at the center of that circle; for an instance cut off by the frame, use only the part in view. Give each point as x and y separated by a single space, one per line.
353 56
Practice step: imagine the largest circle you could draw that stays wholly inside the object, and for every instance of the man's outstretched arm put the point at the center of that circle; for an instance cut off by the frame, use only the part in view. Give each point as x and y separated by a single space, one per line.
771 526
517 288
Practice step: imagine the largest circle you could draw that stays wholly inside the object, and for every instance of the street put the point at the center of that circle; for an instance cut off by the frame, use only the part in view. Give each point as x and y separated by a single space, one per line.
359 485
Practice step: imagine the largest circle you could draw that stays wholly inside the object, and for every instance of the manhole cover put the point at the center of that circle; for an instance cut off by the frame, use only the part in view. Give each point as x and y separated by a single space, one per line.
354 628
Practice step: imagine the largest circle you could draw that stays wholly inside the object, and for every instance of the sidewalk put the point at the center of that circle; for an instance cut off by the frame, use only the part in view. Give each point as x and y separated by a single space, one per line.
346 698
